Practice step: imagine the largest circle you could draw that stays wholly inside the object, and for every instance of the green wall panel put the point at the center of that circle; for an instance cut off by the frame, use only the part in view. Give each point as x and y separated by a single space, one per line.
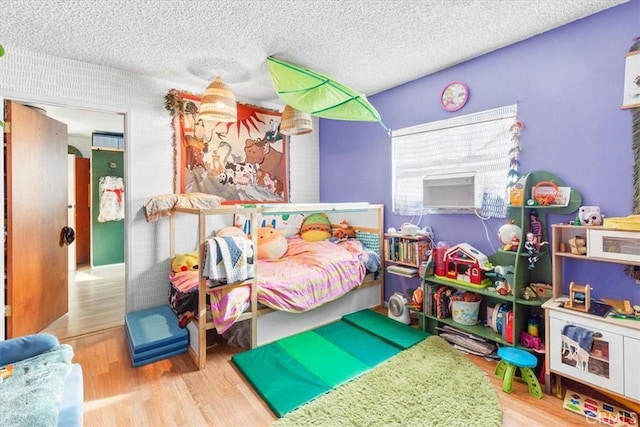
108 237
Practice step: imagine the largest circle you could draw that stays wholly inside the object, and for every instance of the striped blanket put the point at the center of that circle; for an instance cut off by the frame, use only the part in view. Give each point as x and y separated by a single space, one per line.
309 275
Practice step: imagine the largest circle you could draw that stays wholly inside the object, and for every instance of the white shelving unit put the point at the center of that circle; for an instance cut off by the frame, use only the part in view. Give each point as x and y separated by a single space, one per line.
611 365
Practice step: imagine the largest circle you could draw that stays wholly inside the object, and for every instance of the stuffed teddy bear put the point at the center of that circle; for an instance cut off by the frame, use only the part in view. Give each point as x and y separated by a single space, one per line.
316 227
344 231
271 243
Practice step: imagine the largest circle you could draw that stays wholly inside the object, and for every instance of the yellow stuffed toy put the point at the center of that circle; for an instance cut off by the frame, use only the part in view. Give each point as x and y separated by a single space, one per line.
184 280
184 271
316 227
185 262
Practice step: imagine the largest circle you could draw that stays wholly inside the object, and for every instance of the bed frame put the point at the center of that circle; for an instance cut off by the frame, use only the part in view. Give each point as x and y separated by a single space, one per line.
268 325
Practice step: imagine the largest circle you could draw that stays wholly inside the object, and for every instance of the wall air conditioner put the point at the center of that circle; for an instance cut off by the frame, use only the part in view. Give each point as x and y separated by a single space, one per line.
453 192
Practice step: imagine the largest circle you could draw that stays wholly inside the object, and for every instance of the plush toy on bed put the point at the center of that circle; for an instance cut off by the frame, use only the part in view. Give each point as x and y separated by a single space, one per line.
184 282
185 262
231 231
344 231
271 243
184 271
316 227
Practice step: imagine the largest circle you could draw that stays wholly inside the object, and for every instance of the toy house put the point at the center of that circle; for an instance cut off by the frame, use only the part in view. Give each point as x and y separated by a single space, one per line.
464 263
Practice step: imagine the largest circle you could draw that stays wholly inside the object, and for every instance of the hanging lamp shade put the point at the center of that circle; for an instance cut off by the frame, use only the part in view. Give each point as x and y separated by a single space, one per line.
218 103
294 122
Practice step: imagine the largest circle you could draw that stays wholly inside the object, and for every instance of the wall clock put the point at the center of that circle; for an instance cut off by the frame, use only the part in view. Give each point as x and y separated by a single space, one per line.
454 96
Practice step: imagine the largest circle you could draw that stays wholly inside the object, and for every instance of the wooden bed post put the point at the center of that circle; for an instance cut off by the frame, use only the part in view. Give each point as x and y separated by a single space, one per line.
380 243
254 281
202 295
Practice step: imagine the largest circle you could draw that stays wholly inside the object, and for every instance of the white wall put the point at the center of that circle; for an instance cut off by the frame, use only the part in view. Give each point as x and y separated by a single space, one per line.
37 77
81 143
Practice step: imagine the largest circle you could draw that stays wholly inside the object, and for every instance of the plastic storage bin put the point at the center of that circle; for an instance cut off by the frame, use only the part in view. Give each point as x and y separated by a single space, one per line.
465 313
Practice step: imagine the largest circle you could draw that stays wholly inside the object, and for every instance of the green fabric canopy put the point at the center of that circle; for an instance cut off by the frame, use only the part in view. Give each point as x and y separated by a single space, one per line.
319 95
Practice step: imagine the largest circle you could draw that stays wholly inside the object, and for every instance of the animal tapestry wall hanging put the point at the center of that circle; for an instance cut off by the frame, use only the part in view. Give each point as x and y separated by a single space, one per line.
241 161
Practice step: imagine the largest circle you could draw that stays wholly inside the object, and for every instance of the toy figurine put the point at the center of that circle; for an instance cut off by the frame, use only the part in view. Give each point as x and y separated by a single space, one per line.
509 235
533 249
535 227
515 242
503 275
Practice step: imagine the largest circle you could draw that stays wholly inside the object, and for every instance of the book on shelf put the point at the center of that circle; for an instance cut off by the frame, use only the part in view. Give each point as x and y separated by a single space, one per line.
429 294
402 271
407 251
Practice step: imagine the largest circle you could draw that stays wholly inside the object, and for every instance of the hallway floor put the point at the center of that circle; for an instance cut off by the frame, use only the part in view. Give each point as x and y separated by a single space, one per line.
96 302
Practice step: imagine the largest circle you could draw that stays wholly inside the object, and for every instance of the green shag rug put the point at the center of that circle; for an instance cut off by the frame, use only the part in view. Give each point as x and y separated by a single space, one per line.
430 384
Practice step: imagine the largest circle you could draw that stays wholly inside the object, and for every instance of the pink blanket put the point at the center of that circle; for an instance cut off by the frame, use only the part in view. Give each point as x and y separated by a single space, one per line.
309 275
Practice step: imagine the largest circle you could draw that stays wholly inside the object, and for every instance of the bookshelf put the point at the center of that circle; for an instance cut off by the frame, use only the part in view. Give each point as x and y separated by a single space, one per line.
403 254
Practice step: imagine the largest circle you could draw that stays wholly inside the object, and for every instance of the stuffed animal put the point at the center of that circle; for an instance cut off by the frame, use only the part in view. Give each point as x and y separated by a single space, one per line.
578 245
185 262
231 231
271 243
184 279
316 227
344 231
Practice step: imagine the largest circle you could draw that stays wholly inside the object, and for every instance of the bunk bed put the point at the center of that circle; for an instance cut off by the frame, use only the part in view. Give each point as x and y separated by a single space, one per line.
268 322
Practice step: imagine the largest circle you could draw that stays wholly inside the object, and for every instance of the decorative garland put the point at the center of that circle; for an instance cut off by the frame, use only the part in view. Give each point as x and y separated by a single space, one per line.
630 270
173 102
514 175
175 105
635 143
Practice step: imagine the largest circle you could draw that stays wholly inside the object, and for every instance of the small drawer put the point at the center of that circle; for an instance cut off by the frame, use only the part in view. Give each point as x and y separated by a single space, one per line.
614 244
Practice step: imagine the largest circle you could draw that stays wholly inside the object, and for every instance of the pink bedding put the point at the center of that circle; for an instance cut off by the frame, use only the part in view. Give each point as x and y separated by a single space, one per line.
309 275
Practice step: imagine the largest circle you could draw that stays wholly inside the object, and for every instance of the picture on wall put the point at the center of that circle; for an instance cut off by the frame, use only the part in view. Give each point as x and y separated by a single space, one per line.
243 161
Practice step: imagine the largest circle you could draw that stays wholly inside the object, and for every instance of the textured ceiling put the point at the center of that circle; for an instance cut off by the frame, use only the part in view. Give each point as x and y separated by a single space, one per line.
369 45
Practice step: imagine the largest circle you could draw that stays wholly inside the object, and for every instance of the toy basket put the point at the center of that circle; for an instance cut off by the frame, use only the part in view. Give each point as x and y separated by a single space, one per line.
545 193
465 313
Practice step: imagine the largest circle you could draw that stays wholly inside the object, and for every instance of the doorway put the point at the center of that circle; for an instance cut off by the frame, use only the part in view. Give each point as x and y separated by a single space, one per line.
96 293
96 302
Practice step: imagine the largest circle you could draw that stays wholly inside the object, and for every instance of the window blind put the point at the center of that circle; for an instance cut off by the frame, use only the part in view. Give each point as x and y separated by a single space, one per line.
478 142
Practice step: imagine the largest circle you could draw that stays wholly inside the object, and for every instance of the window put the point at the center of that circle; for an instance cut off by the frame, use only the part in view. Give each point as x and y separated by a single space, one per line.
482 143
107 140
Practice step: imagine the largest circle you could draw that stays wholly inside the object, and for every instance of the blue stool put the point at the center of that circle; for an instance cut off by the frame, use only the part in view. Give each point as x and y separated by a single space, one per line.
512 358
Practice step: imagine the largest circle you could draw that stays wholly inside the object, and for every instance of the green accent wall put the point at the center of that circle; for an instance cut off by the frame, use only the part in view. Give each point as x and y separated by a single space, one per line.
107 237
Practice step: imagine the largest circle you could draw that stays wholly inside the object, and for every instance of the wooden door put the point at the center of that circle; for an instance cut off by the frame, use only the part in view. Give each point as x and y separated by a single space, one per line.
83 211
36 211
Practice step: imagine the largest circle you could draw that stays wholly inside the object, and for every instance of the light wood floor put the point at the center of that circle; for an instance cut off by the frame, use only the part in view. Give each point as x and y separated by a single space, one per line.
96 302
172 392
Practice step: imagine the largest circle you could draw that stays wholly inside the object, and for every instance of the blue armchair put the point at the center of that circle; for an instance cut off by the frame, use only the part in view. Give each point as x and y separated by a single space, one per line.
16 349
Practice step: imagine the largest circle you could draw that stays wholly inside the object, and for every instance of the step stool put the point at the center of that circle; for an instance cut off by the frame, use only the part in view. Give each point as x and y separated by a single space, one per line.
512 358
154 334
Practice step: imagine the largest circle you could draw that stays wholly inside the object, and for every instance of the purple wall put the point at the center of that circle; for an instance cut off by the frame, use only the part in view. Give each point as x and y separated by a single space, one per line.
568 86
